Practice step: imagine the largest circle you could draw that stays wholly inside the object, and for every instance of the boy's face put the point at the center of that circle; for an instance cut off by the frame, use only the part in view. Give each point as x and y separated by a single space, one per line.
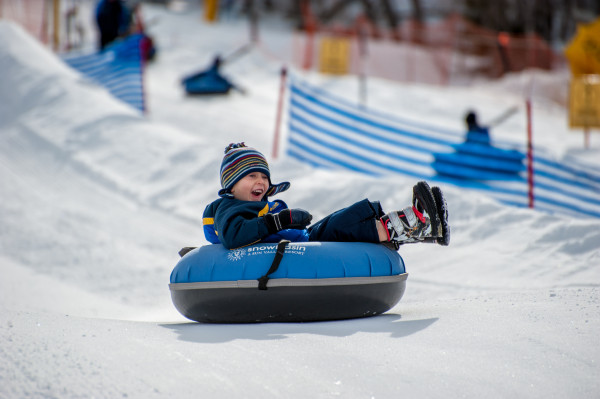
251 187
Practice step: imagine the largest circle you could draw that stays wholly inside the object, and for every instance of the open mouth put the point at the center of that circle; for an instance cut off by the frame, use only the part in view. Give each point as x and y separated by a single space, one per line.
257 193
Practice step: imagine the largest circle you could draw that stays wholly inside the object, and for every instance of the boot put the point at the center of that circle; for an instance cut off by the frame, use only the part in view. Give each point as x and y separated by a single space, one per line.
443 234
419 223
406 226
442 211
424 202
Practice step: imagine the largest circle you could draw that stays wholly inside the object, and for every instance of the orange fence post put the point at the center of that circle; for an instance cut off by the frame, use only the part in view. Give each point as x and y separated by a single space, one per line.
529 153
310 27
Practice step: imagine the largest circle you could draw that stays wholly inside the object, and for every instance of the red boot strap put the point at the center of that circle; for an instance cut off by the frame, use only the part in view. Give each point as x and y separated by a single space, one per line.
419 215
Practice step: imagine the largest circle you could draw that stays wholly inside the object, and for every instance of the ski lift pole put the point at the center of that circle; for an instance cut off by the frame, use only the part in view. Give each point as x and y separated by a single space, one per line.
237 53
279 111
503 117
529 153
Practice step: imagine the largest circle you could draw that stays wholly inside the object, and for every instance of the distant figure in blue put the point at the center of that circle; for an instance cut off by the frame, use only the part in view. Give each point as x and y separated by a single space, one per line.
209 81
113 18
214 68
475 132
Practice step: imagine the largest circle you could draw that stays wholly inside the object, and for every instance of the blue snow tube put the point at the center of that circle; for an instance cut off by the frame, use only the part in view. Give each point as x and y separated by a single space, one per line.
208 82
314 281
475 161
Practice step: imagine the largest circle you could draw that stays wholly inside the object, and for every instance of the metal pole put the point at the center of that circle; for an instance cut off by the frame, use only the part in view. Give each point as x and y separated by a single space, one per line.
362 54
586 138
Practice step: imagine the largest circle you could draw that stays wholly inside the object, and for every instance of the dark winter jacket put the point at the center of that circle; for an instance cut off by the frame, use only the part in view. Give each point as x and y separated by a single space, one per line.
236 223
479 135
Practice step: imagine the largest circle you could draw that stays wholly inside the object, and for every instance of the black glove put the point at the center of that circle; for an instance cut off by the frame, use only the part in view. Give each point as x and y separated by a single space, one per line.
287 219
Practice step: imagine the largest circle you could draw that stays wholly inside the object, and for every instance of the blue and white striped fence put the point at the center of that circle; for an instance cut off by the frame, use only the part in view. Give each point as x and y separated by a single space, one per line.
328 132
119 68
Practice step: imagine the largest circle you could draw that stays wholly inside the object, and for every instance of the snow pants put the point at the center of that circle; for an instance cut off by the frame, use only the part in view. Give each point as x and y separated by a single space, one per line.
355 223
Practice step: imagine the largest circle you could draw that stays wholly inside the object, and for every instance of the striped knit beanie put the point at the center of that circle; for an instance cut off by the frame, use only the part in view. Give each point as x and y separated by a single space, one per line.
239 161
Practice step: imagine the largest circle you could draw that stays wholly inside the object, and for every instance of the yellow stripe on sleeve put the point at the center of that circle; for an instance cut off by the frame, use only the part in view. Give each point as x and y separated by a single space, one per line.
208 221
264 211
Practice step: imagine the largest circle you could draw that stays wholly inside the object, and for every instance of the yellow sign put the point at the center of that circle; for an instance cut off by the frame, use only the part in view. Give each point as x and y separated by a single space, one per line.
584 101
211 8
334 55
583 52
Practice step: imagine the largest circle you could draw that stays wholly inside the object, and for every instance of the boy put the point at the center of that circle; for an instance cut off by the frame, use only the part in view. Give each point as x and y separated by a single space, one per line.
244 215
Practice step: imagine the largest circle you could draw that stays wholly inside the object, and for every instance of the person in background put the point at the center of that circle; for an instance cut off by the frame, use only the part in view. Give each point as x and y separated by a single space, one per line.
475 132
113 18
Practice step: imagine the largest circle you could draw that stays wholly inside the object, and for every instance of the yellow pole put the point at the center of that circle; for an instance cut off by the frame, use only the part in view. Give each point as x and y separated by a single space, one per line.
56 24
211 8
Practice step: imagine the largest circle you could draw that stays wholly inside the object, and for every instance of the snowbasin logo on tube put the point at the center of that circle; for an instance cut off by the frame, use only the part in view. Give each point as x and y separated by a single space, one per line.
237 254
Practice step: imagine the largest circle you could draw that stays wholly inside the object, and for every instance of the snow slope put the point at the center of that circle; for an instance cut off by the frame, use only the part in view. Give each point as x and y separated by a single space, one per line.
97 200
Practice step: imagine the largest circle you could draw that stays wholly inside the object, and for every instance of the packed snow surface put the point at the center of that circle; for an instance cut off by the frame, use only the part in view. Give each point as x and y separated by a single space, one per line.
97 200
